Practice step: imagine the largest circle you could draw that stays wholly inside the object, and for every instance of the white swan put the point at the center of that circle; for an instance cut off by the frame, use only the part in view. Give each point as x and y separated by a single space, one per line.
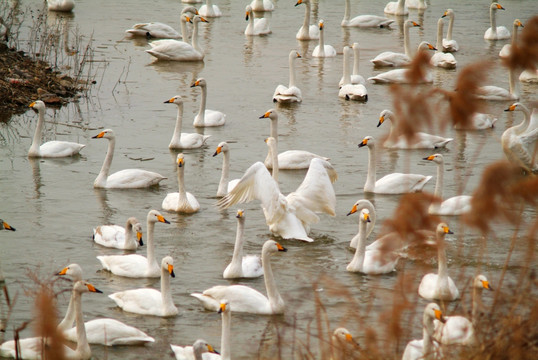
290 93
210 10
50 149
148 301
248 266
420 140
182 140
348 90
497 93
159 30
479 121
123 179
441 59
181 201
256 26
32 348
439 286
425 348
458 329
343 345
5 226
61 5
416 4
495 32
364 21
323 50
356 78
225 186
246 299
519 141
134 265
456 205
390 58
176 50
370 261
198 351
395 183
262 5
529 76
449 44
115 236
307 31
205 117
396 8
507 48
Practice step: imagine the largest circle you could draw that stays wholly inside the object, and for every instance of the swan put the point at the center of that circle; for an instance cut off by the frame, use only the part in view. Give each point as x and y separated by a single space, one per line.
182 140
205 117
50 149
148 301
458 329
479 121
197 351
256 26
495 32
322 50
115 236
396 8
159 30
5 226
364 21
291 93
456 205
356 78
176 50
395 183
123 179
348 90
449 44
441 59
420 140
290 159
32 348
529 76
439 286
372 262
134 265
390 58
248 266
307 31
262 5
343 344
225 186
518 142
181 201
105 331
246 299
61 5
497 93
210 10
425 348
507 48
416 4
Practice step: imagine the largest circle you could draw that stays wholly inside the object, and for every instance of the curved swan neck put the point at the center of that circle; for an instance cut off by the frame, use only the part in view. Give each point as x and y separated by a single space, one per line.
427 330
129 240
519 129
225 175
272 293
347 75
150 251
176 137
69 318
306 22
100 181
36 142
358 258
492 19
201 113
225 335
356 58
292 69
450 26
82 342
371 177
439 44
407 41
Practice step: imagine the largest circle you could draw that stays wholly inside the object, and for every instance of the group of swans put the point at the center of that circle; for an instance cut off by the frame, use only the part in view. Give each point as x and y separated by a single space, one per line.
225 185
356 78
256 26
181 201
364 21
349 90
181 140
115 236
157 30
290 93
206 117
520 141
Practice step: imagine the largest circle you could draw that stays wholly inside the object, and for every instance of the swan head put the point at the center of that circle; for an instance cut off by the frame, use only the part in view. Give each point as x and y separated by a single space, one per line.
105 134
436 158
155 216
224 306
168 265
190 9
411 23
38 105
443 229
344 336
365 216
424 45
248 11
384 115
321 25
201 346
359 205
175 100
270 141
197 19
200 82
5 226
180 160
73 270
517 23
448 12
355 46
138 229
433 311
496 6
367 141
221 147
82 286
272 247
294 54
516 106
481 282
240 214
271 114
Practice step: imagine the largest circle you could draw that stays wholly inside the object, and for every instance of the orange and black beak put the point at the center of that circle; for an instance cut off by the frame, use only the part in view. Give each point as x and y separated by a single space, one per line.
7 226
92 288
139 237
99 136
218 151
363 143
281 248
353 210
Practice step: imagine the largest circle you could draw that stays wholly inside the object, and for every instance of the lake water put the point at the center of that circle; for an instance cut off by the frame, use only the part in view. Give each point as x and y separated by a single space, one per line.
54 207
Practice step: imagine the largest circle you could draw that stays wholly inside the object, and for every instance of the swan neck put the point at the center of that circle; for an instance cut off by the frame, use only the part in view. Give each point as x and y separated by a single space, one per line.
347 75
306 22
201 113
272 293
237 257
321 43
513 83
358 258
346 11
450 26
225 336
225 175
526 119
477 296
166 294
493 20
176 137
181 185
274 158
407 41
371 177
150 251
401 5
69 318
82 342
194 40
129 240
274 129
36 142
183 25
439 44
427 330
440 181
292 70
356 58
442 271
105 169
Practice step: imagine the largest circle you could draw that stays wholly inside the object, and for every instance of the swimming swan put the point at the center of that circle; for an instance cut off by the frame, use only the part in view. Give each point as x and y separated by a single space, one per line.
115 236
159 30
181 201
148 301
364 21
518 142
425 348
391 58
123 179
343 345
61 5
256 26
440 58
449 44
348 90
507 48
246 299
50 149
134 265
396 8
307 31
322 50
182 140
225 186
290 93
497 93
395 183
495 32
262 5
356 78
195 352
205 117
210 10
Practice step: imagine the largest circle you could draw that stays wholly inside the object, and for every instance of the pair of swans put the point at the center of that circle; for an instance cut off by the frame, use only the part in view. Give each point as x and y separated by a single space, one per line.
507 48
61 5
348 89
390 58
519 142
134 265
425 348
50 149
181 201
256 26
246 299
200 350
440 58
182 140
159 30
449 44
291 93
396 8
495 32
149 301
307 31
420 140
225 186
5 226
123 179
209 9
364 21
323 50
356 78
175 50
395 183
206 117
115 236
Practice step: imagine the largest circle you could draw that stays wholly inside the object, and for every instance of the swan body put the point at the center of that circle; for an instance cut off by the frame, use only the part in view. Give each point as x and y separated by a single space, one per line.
323 50
61 5
396 8
198 351
210 10
348 90
50 149
395 183
496 93
495 32
439 286
356 78
307 31
181 201
479 121
5 226
256 26
449 44
249 266
507 48
134 265
159 30
364 21
182 140
262 5
416 4
115 236
529 76
441 59
150 301
246 299
205 117
123 179
291 93
225 186
519 141
420 140
425 348
390 58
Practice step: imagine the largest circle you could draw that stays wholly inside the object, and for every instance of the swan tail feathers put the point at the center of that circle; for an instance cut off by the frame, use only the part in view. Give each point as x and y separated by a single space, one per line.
207 301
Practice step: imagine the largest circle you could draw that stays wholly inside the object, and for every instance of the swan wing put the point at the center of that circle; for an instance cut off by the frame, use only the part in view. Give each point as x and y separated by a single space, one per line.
242 299
450 45
379 262
390 58
59 149
456 205
368 21
285 94
456 330
156 30
491 92
392 76
252 266
30 348
132 265
443 60
398 183
133 178
356 92
479 121
190 141
174 50
296 159
261 27
214 118
110 236
140 301
110 332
